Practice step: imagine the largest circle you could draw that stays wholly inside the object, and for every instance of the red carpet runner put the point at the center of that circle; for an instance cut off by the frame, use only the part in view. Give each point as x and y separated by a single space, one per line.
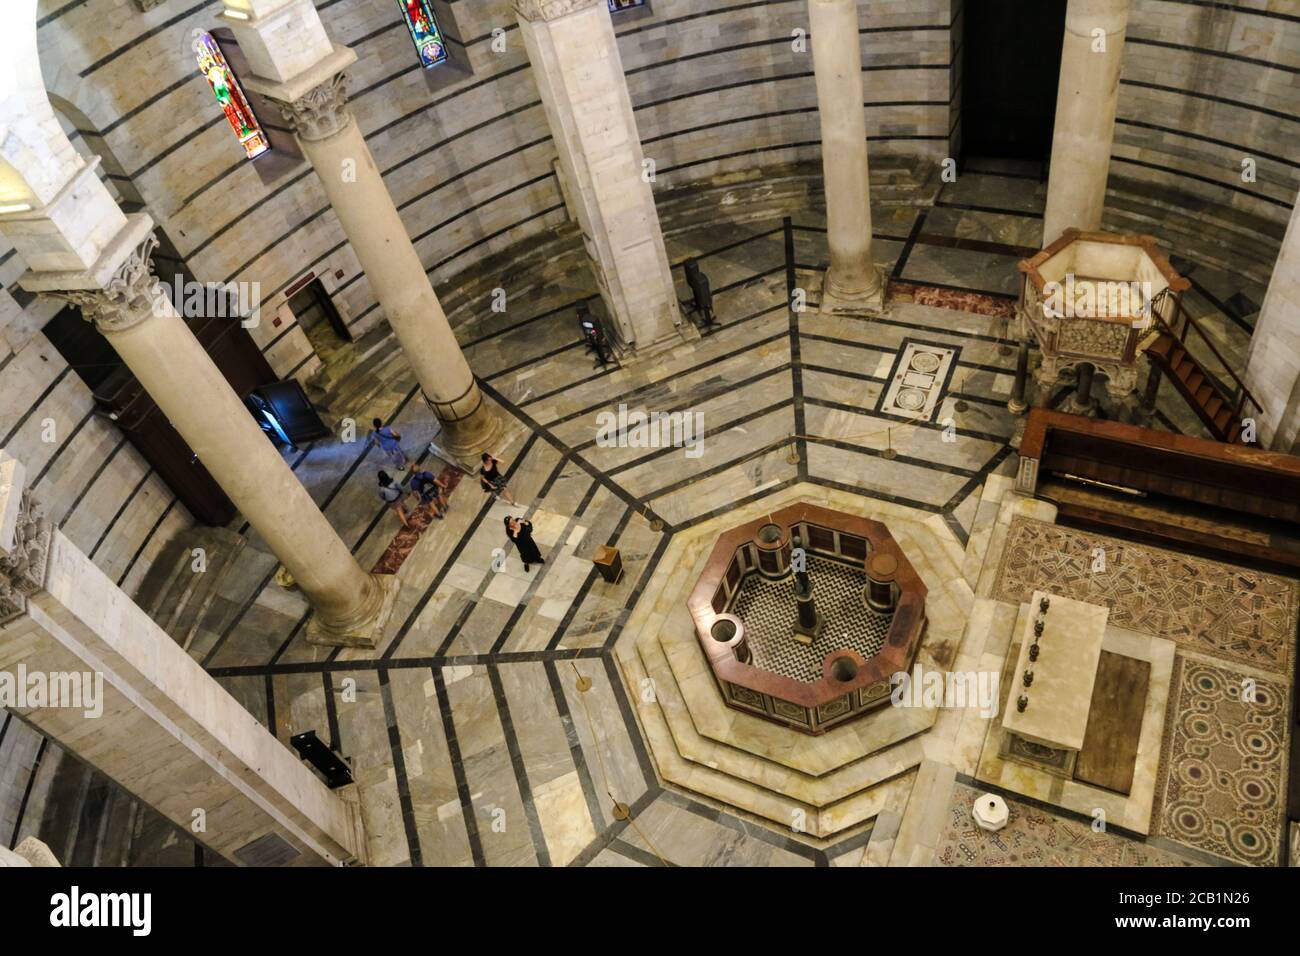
403 542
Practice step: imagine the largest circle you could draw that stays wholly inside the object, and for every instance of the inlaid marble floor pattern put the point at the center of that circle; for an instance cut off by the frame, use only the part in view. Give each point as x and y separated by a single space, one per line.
468 724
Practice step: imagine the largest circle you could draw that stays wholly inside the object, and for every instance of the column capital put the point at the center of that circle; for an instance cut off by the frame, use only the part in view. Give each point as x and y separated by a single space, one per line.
129 297
320 113
24 541
551 9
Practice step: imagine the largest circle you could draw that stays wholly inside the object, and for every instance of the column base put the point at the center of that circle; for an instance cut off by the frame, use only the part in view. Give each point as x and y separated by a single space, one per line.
804 634
367 629
833 300
467 438
680 335
1072 406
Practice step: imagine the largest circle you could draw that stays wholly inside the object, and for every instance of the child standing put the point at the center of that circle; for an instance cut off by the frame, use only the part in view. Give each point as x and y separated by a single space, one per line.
394 495
389 442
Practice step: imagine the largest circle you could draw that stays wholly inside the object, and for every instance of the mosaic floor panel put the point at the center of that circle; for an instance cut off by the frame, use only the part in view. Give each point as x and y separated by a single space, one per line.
768 610
1205 606
1034 837
976 303
918 380
1223 764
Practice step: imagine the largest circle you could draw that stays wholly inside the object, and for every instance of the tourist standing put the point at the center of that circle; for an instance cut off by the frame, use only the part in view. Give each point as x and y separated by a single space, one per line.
491 479
389 442
394 495
431 490
520 533
701 292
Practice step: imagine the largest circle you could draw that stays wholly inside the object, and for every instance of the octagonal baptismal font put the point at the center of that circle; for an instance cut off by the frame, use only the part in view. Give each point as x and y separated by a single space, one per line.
806 613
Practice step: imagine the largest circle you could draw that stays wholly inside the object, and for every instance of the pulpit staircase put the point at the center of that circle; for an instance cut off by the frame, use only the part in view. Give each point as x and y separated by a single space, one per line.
1221 409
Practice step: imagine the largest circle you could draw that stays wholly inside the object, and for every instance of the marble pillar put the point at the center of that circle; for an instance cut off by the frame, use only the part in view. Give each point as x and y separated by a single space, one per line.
128 305
297 66
579 73
83 665
852 283
1091 58
1017 404
80 247
1273 366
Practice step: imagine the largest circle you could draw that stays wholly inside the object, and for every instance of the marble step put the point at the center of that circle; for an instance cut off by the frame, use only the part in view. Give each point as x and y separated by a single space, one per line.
1236 247
814 825
808 756
991 495
853 777
1011 506
177 596
356 395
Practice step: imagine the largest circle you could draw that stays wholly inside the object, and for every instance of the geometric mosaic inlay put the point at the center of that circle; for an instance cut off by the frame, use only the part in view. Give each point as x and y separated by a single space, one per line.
1206 606
1034 837
1222 787
917 383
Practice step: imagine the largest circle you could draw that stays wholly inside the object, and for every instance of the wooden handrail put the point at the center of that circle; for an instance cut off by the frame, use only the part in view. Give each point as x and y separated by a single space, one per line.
1243 393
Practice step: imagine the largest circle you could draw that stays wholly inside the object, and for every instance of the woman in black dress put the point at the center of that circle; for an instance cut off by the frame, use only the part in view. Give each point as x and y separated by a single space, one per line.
491 480
520 532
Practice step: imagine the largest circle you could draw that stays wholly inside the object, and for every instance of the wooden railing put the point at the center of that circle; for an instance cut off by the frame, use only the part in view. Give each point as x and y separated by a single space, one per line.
1180 329
1238 478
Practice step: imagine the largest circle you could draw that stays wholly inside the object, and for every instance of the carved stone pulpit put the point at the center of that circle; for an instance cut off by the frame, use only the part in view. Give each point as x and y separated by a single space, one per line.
1092 300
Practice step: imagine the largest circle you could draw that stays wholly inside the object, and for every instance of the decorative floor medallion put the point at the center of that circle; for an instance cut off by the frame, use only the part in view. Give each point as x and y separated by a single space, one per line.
918 380
1222 786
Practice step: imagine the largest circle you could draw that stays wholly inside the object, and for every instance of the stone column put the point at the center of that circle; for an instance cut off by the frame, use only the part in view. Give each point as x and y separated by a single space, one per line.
127 304
579 74
1085 115
852 283
1082 402
80 247
1017 404
1273 367
296 65
84 665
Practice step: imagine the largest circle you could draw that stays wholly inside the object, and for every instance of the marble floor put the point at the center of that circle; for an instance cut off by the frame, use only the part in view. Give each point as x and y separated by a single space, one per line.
493 726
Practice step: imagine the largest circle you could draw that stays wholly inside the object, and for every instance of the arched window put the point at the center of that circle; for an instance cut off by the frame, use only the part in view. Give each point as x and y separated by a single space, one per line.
423 27
212 64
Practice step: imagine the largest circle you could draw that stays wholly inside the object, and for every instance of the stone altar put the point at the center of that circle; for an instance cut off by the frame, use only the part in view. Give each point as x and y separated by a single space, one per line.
1048 732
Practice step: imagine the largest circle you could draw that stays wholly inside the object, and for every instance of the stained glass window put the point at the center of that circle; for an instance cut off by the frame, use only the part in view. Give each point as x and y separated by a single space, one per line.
617 5
212 64
423 27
